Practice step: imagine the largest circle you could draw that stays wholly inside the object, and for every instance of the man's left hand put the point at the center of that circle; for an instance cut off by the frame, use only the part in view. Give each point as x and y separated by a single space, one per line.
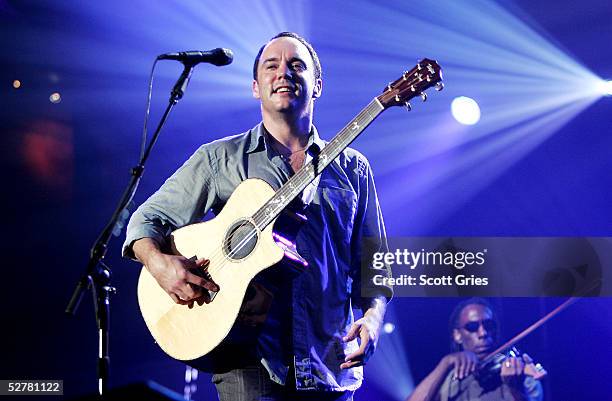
367 329
512 371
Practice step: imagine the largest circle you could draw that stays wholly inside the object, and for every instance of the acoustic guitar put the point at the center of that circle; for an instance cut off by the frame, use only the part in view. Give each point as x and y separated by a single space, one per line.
241 240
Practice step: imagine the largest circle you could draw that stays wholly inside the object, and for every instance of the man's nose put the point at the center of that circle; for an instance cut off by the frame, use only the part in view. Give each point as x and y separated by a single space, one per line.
283 70
482 332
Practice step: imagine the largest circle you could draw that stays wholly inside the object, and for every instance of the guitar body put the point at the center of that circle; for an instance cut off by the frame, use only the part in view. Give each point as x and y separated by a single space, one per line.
188 333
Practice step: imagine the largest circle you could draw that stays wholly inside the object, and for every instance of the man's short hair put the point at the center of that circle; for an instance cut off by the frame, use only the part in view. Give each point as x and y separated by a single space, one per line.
318 73
453 321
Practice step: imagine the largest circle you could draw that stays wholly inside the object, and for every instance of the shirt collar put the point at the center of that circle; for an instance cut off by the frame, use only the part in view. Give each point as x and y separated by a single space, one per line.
257 139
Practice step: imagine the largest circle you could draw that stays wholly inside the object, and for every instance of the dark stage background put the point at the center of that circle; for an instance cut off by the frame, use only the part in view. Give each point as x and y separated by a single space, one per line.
538 163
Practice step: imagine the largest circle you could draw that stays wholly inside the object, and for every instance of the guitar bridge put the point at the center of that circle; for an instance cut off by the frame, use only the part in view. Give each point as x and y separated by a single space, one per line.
205 275
211 294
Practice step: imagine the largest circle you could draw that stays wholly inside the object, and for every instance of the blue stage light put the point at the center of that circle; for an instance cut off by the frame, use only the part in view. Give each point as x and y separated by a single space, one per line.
388 328
465 110
389 368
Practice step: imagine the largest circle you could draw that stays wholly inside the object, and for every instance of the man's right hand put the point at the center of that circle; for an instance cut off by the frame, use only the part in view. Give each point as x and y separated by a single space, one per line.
464 363
177 275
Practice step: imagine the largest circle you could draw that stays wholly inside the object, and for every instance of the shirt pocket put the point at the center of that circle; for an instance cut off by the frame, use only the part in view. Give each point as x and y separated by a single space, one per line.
339 207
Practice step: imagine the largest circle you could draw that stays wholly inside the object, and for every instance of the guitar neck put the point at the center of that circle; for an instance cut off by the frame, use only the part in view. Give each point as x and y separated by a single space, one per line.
296 184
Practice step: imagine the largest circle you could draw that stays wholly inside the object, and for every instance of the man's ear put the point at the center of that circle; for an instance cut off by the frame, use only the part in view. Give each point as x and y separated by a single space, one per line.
256 89
318 88
457 336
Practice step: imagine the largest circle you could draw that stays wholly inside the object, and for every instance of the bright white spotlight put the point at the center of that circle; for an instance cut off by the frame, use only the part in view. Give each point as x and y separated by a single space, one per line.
605 88
55 97
388 328
465 110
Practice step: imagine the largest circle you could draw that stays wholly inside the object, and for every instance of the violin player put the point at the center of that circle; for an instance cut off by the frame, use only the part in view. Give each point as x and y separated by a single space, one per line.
460 376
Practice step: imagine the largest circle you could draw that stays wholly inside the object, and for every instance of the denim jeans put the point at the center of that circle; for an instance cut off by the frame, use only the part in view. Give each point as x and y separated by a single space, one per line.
253 383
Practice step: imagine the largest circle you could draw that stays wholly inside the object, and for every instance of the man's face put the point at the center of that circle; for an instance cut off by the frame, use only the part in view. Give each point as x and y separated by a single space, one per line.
285 78
476 331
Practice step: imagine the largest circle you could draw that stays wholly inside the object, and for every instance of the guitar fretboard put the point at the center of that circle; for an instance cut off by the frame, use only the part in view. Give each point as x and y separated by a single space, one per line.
296 184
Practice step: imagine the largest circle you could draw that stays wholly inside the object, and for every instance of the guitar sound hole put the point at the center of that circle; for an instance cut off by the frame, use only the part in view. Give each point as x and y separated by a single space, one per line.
240 240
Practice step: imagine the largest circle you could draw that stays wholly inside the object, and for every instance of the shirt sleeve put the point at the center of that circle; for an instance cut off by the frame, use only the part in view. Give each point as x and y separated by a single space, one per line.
183 199
368 238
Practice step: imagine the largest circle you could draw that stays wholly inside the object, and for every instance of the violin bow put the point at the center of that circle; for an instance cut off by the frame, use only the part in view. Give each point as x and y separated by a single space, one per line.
510 343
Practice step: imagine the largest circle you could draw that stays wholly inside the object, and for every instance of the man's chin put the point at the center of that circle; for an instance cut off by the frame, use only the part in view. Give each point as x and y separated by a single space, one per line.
285 104
289 108
481 352
280 108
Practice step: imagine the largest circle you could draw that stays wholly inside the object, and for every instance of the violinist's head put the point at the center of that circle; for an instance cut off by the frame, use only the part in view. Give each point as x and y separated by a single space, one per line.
473 327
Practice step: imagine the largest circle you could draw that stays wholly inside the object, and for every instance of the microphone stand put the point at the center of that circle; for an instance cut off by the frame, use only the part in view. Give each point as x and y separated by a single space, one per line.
97 276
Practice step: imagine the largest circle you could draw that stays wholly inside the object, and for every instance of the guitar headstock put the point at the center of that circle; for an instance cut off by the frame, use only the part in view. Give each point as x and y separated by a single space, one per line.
426 74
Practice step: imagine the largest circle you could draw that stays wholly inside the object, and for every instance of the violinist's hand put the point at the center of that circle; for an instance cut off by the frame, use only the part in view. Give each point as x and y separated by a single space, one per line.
512 370
464 363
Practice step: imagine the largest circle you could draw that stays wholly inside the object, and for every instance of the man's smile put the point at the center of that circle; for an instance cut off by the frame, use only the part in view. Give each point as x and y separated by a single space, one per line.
285 88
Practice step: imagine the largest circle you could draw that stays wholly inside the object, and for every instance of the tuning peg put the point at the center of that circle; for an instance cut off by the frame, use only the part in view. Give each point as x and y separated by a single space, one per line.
408 106
389 86
424 96
439 86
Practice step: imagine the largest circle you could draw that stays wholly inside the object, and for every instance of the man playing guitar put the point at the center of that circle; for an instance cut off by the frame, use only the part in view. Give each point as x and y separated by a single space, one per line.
296 337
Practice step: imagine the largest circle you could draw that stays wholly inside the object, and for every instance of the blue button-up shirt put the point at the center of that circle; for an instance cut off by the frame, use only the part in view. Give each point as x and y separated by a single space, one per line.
342 210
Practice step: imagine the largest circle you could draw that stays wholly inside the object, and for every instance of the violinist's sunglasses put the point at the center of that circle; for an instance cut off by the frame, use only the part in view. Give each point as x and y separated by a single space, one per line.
488 324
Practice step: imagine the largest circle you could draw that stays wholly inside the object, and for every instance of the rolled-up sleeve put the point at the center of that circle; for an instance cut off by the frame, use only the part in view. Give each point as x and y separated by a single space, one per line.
369 237
183 199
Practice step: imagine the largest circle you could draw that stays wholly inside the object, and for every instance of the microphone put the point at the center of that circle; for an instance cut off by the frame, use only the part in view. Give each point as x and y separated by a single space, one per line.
218 57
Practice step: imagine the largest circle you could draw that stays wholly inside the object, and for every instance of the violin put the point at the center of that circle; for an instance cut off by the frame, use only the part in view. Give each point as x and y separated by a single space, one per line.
489 371
490 367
